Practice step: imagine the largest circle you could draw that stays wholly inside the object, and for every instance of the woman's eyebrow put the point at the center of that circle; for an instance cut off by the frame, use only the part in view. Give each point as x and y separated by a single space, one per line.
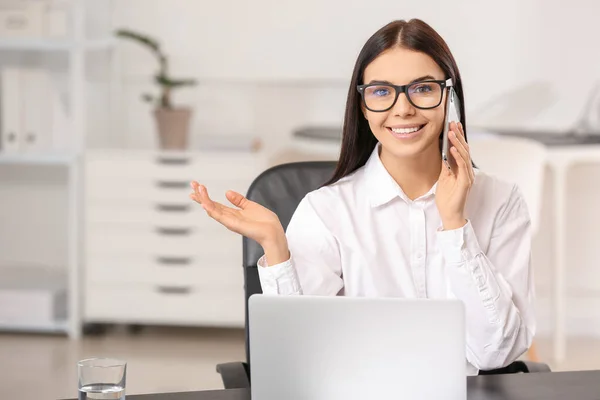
423 78
384 82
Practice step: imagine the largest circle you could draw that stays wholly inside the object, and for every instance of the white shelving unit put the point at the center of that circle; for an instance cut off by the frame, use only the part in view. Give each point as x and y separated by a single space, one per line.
52 45
75 48
37 159
56 327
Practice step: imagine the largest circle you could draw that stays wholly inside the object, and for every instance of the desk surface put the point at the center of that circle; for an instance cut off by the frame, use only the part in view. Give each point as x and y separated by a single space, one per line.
553 139
581 385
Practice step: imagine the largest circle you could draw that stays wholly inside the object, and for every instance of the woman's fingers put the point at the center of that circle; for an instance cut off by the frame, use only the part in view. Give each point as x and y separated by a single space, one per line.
200 195
457 145
227 216
195 195
460 129
206 200
463 172
463 140
237 199
458 140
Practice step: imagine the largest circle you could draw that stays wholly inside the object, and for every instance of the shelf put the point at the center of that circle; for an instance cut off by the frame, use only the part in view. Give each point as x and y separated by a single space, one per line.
34 284
56 327
37 159
53 45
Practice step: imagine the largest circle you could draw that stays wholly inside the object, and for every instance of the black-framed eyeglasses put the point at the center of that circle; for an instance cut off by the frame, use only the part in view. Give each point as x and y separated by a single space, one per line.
425 95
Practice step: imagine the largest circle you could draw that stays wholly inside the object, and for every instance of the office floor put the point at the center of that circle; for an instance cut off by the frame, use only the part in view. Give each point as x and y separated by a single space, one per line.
34 367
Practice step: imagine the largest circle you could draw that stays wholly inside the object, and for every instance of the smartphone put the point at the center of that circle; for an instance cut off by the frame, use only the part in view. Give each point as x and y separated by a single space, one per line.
452 114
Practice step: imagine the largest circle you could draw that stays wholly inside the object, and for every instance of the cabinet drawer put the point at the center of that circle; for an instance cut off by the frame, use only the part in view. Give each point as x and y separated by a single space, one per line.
135 166
158 191
164 305
159 213
162 240
224 272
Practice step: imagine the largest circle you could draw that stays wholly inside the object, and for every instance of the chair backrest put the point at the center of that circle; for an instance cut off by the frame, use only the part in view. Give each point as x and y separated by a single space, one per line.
517 160
280 189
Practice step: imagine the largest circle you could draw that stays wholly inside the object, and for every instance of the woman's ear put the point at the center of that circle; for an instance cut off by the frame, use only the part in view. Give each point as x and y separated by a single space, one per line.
364 111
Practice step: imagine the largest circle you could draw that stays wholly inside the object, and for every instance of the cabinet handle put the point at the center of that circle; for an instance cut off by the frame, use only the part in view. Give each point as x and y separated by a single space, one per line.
173 207
174 289
172 184
174 231
173 160
174 260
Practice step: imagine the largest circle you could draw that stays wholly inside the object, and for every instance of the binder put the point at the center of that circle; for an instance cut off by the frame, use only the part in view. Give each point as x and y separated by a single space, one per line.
60 130
35 111
10 110
21 19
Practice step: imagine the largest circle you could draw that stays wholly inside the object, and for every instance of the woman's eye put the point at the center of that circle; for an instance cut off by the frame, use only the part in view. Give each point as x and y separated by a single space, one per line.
381 92
423 89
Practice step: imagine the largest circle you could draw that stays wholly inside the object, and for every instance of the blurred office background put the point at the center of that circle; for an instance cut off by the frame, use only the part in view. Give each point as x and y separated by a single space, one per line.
103 254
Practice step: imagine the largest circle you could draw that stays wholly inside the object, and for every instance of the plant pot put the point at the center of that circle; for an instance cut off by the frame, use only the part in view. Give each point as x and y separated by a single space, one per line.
173 127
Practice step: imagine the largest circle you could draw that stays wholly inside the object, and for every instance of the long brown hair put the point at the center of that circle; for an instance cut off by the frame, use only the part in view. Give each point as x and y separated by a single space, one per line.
357 140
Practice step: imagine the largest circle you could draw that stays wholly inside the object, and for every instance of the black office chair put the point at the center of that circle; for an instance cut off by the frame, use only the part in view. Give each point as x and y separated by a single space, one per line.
280 189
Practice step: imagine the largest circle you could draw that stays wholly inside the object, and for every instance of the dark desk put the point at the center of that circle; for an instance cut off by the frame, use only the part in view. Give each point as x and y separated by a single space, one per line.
554 139
584 385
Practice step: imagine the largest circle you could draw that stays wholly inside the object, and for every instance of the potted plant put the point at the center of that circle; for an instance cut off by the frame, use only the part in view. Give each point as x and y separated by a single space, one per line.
172 122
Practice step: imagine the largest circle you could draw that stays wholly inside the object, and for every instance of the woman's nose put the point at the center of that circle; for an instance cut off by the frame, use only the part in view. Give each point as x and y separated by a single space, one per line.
403 107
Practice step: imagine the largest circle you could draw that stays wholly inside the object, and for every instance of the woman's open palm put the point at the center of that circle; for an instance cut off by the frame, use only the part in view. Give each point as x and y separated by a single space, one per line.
248 218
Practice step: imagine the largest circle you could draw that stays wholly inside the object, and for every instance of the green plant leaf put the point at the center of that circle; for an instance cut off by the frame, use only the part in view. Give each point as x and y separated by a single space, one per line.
161 77
174 83
138 37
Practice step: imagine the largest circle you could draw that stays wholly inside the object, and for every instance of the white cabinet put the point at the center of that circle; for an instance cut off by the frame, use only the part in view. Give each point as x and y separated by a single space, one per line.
152 255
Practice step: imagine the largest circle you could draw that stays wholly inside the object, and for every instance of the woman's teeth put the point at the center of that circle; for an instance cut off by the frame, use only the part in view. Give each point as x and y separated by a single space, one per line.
405 130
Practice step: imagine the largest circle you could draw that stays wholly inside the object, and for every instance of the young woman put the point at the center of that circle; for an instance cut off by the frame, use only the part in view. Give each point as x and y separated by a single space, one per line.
394 220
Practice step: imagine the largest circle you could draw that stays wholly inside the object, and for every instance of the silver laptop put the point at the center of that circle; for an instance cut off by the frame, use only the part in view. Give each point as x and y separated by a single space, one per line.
344 348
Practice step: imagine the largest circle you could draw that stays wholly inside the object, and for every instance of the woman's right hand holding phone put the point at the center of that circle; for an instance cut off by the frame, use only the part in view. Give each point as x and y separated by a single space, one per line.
249 219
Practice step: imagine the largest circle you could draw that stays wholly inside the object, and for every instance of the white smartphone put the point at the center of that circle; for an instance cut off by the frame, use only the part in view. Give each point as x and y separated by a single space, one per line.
452 114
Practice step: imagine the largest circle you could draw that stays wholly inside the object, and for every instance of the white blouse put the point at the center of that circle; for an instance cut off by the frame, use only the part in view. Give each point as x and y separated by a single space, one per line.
362 236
